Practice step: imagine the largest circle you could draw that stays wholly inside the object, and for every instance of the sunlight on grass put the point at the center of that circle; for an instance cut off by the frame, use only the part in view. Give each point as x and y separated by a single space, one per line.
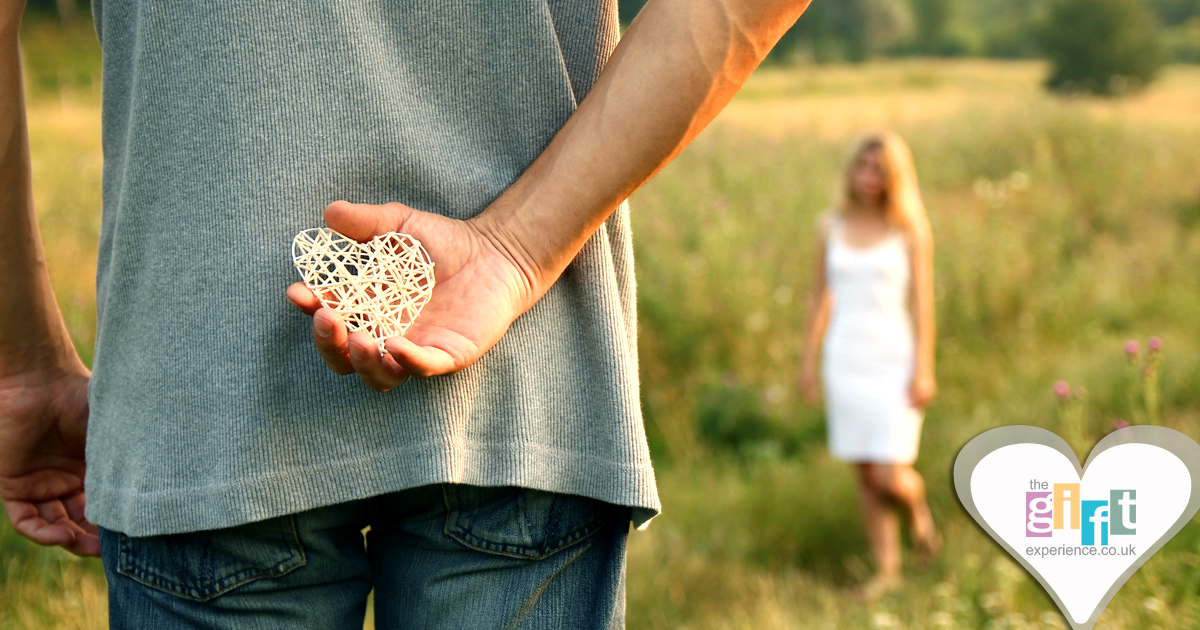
1062 227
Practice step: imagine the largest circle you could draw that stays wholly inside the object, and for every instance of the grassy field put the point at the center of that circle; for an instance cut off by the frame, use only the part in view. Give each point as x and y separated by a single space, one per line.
1063 228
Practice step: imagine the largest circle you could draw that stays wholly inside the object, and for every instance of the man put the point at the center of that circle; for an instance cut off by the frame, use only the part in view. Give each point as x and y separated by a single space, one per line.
229 473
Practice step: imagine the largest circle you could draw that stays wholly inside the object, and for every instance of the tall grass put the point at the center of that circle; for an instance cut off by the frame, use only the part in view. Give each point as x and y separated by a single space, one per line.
1062 228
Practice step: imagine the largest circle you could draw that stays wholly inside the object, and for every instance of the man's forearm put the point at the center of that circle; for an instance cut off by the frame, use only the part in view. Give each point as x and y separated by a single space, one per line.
31 328
678 65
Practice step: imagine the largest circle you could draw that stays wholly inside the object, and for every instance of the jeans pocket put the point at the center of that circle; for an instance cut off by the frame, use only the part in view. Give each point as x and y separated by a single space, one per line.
204 565
521 522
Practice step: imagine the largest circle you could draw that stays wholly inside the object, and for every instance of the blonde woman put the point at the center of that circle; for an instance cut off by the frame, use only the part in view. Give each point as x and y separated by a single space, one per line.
872 310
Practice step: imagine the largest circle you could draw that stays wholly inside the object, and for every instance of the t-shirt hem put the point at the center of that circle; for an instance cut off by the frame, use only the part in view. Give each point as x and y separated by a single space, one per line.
296 489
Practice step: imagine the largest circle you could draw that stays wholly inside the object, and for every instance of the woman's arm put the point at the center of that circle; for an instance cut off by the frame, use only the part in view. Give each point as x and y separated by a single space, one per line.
820 304
924 385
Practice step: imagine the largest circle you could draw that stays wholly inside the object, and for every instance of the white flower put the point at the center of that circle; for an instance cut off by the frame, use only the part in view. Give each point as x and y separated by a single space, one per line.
1051 619
1018 180
991 602
983 188
1009 569
782 294
944 589
757 322
884 621
774 394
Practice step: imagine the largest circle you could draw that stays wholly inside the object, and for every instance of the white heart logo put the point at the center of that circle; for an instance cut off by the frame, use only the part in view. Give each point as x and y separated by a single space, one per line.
1082 532
379 286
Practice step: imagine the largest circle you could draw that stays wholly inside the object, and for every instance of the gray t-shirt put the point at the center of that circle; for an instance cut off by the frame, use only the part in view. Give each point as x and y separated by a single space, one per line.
227 128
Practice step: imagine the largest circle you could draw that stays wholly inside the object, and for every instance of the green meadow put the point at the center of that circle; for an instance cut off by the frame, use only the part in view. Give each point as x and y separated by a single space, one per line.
1063 228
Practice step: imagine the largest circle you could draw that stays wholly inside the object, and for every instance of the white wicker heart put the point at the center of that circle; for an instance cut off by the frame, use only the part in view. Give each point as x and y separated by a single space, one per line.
379 286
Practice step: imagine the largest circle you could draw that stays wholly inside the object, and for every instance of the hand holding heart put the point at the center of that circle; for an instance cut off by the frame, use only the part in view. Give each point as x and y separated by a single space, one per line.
481 287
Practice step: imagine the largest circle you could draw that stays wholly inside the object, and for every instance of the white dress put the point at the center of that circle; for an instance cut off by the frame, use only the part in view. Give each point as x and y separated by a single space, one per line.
868 352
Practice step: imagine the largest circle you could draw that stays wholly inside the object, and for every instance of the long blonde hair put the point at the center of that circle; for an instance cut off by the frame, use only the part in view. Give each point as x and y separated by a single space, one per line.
901 196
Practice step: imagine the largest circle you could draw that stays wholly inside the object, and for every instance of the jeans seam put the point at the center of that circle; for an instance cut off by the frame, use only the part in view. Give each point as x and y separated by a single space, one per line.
515 551
156 580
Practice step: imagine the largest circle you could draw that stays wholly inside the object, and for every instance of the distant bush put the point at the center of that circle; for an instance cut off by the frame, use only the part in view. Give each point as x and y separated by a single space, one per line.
855 30
940 31
732 416
1100 46
1175 12
1183 41
848 30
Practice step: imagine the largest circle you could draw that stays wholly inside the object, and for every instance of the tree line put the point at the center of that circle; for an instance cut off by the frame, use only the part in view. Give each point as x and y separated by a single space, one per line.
1099 46
855 30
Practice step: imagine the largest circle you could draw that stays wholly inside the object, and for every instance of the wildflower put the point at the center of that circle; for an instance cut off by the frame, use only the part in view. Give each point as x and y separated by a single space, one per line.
1154 343
1132 347
1018 180
882 620
774 394
1119 424
757 322
991 602
1062 390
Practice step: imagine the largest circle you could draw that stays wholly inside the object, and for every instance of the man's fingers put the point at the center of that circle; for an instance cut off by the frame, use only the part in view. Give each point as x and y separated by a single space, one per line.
303 298
42 532
75 505
380 373
422 361
329 335
50 523
85 544
361 221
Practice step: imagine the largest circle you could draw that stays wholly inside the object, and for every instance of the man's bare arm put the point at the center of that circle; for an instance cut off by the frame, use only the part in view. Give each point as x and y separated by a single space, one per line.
43 385
677 66
30 323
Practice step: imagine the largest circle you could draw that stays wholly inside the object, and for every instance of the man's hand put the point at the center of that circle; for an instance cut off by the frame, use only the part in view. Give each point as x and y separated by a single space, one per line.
43 385
43 425
677 65
480 289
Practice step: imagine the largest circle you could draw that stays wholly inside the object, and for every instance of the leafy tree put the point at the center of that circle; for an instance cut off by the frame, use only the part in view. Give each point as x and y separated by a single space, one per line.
935 29
850 30
1175 12
1100 46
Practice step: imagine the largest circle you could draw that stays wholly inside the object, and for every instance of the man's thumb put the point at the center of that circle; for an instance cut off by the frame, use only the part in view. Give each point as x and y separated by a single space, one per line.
361 221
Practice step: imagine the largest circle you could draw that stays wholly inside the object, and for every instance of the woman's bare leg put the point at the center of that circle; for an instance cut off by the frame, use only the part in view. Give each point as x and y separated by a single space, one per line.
883 533
904 485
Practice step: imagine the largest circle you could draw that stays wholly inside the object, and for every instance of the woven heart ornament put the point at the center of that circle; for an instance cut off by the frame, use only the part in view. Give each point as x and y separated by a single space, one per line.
379 286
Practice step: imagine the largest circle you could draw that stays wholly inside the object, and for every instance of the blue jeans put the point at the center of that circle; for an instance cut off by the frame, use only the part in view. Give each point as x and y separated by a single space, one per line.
441 556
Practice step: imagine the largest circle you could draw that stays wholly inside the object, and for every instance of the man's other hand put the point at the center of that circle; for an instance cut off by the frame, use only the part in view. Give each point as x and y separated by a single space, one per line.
43 426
